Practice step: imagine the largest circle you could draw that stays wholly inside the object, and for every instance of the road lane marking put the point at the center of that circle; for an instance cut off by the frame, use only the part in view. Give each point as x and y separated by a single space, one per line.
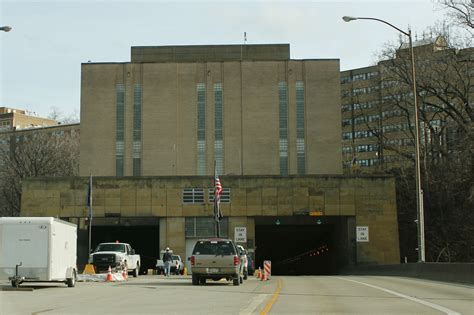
257 300
269 305
414 299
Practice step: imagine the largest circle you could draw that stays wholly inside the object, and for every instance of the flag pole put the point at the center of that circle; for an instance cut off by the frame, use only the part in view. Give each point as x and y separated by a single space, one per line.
89 201
216 210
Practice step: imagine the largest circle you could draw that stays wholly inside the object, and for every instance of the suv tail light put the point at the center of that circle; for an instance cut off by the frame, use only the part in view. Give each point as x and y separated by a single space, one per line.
193 260
236 260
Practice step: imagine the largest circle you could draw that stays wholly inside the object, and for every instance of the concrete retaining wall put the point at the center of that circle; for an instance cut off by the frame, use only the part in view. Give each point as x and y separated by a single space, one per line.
448 272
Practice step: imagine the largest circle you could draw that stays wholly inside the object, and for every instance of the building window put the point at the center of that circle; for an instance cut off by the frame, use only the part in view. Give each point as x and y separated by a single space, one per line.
300 143
201 128
218 144
225 196
283 128
193 195
120 129
205 227
137 130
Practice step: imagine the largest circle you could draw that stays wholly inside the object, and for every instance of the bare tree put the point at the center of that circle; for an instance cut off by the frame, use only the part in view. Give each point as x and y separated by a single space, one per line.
445 86
38 154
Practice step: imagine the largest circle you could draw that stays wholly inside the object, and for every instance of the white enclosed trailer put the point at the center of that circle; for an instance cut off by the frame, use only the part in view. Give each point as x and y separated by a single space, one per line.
37 250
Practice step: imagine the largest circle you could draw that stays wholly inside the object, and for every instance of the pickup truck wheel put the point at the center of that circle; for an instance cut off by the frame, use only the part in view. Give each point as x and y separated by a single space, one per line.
195 280
136 271
236 280
71 282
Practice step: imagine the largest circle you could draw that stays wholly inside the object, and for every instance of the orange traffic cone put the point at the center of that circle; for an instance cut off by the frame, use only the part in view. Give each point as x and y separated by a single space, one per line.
264 276
259 273
109 275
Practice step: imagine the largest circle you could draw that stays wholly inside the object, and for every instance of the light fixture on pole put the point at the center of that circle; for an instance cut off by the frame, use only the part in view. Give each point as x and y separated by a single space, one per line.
5 28
419 190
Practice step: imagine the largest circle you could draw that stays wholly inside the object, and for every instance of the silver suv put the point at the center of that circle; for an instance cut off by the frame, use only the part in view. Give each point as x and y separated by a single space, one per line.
216 258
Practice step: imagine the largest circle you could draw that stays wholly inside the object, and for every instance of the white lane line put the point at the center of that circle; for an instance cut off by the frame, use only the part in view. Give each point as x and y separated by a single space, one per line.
435 306
256 301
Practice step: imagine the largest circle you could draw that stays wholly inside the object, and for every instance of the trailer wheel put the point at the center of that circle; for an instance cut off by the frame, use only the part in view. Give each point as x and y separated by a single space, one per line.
71 282
15 283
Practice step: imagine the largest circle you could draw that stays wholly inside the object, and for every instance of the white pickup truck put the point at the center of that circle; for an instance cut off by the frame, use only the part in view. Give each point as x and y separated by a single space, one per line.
177 265
117 256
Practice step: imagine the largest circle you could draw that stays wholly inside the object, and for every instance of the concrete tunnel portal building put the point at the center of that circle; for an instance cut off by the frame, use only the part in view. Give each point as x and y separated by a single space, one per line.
154 130
152 213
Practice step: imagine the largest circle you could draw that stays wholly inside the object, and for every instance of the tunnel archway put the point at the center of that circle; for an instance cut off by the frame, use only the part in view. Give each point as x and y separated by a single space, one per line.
303 245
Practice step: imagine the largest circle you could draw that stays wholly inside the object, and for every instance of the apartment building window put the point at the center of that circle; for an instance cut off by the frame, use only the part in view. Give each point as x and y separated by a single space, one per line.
201 227
371 75
201 128
300 140
372 89
347 135
367 147
359 120
346 150
392 113
193 195
137 130
359 91
359 77
345 80
218 144
120 129
372 118
372 104
346 122
283 128
345 108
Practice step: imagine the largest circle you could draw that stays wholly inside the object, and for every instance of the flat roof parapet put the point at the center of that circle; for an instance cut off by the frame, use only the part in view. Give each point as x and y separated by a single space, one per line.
210 53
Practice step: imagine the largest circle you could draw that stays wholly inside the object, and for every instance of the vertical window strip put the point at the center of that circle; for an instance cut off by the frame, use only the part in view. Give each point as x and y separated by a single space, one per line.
300 143
218 141
201 128
283 128
137 130
120 129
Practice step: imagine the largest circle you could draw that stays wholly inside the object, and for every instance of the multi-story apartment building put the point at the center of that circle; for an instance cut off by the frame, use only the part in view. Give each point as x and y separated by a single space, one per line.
13 119
377 106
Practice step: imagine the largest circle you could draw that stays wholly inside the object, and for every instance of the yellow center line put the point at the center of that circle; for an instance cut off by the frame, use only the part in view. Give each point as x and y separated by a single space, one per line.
273 300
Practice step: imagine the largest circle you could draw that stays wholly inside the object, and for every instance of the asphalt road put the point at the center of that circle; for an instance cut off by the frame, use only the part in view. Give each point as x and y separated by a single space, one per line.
280 295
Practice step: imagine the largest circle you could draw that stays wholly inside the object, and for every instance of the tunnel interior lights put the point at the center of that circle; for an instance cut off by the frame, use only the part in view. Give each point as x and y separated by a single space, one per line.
311 253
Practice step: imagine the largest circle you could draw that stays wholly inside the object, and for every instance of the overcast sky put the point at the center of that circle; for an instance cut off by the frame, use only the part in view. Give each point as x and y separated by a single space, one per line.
40 58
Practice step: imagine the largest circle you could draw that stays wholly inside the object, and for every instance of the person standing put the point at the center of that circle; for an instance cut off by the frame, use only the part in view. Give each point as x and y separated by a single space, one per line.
167 260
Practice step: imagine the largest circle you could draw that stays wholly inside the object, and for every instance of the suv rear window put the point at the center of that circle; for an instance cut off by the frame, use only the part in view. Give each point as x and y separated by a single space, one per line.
214 248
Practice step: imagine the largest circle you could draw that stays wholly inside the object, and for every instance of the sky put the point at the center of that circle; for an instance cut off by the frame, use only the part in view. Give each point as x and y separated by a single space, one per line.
40 58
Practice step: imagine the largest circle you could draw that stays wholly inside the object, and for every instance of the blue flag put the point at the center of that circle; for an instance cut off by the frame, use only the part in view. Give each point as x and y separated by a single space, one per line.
89 198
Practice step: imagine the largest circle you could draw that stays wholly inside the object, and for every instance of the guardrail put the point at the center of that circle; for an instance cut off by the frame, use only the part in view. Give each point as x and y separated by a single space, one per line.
448 272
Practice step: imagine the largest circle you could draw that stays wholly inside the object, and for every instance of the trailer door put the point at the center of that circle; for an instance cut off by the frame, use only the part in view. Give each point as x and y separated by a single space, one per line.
28 244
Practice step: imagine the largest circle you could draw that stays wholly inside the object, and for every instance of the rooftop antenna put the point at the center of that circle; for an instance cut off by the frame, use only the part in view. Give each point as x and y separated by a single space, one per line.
245 43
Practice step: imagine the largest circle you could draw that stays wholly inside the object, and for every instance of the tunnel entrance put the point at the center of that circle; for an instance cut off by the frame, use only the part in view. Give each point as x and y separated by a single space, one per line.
304 245
143 234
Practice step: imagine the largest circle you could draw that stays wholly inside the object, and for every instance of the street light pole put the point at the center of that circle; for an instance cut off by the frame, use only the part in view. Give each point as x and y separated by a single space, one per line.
419 190
5 28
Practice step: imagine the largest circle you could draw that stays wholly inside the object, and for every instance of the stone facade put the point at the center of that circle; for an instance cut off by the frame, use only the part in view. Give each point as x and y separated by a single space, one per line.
370 200
250 113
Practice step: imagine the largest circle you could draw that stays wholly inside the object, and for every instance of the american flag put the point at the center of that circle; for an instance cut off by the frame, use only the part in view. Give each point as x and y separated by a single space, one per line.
217 198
